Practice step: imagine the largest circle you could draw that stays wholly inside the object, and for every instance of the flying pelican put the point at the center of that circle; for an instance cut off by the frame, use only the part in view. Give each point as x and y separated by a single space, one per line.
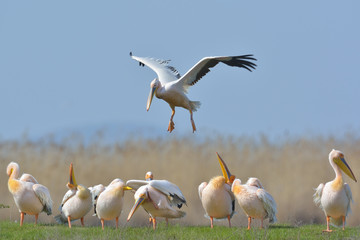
30 197
256 202
334 197
76 203
172 88
110 201
216 196
158 198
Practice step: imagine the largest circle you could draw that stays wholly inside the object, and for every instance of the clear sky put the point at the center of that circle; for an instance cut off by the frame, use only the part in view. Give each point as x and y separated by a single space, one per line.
66 65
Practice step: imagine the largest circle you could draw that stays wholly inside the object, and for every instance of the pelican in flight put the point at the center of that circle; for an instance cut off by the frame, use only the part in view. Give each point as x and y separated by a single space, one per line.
109 204
334 197
159 198
216 196
76 203
172 88
256 202
30 197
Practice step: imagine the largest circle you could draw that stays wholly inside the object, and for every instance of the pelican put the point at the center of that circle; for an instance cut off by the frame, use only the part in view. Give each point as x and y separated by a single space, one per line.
158 198
30 197
256 202
172 88
95 192
216 196
110 201
76 203
334 197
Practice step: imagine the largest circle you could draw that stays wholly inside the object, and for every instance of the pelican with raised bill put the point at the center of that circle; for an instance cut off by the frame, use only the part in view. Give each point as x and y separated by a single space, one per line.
110 201
159 198
256 202
172 88
76 203
30 197
334 197
216 196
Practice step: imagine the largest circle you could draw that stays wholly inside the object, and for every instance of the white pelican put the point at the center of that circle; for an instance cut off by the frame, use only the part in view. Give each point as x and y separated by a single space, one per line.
110 201
76 203
172 88
29 196
158 198
95 192
216 196
254 200
334 197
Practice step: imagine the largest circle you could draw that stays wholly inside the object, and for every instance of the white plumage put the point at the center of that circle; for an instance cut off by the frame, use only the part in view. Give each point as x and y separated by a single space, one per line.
172 88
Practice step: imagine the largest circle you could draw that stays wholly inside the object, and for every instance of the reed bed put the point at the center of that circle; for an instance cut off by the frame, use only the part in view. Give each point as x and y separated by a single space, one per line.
289 170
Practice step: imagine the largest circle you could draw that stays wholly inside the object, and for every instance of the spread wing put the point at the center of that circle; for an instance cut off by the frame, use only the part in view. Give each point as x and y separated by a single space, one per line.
203 67
165 72
268 202
169 189
136 184
44 196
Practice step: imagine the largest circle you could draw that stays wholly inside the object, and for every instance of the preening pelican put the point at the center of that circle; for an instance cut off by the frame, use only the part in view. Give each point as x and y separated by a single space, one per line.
158 197
216 196
172 88
334 197
254 200
29 196
76 203
110 201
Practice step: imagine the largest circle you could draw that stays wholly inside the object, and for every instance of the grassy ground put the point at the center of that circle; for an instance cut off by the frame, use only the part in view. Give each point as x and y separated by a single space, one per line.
11 230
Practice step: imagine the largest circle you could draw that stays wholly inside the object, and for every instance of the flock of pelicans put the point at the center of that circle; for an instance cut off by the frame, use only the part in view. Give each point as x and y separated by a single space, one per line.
161 198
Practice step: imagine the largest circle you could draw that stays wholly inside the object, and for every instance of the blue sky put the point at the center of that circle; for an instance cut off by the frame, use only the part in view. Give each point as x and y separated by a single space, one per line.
66 65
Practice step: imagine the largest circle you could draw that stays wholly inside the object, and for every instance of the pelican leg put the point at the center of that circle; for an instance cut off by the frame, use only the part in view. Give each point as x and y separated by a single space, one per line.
69 221
171 123
167 222
117 222
262 223
327 224
102 223
154 223
82 221
192 121
150 220
211 222
343 219
228 217
36 218
249 223
21 218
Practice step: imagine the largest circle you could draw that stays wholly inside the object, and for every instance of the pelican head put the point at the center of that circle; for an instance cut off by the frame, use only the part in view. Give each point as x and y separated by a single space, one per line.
72 182
229 179
338 158
149 176
154 85
140 196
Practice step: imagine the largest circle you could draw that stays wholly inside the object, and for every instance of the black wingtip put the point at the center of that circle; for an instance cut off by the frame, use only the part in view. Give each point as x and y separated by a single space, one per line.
130 54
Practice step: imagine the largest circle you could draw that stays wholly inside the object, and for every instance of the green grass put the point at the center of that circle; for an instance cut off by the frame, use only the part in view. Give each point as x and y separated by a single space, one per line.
11 230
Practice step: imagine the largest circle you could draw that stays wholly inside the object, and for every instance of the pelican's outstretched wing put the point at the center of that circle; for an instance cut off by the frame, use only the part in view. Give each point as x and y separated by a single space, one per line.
269 204
28 178
349 195
44 196
136 184
317 195
169 189
203 67
165 72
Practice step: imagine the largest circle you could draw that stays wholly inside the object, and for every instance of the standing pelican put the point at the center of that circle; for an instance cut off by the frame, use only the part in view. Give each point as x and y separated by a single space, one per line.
76 203
172 88
29 196
158 198
334 197
254 200
216 196
110 201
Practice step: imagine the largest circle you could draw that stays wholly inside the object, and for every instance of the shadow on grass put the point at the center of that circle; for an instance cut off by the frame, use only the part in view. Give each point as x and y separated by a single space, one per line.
281 227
